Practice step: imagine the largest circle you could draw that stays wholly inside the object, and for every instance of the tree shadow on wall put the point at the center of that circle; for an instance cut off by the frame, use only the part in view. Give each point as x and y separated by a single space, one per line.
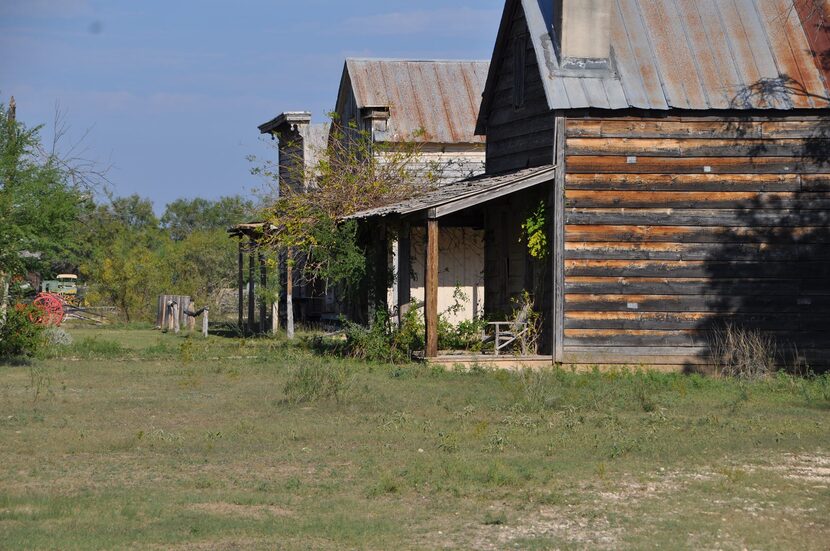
767 267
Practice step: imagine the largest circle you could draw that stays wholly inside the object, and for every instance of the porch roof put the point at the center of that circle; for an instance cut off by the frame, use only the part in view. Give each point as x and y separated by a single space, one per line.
457 196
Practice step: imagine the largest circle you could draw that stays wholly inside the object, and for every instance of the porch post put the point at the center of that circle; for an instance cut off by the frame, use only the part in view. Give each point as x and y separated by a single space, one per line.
289 293
431 289
381 271
263 282
403 275
251 289
241 285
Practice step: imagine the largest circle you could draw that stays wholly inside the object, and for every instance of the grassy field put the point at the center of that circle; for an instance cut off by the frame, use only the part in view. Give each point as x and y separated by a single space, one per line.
134 439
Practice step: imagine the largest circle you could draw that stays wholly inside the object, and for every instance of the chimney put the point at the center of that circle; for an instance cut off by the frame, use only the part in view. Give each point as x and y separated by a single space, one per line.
584 31
292 130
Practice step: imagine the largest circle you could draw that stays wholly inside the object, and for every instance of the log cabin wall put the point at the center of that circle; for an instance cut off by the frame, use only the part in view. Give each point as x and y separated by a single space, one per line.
519 135
676 225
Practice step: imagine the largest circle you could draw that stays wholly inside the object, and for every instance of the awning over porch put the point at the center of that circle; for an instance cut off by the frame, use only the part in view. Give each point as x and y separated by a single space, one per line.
457 196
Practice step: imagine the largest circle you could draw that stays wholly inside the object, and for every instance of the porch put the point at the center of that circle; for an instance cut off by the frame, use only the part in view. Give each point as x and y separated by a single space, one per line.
495 205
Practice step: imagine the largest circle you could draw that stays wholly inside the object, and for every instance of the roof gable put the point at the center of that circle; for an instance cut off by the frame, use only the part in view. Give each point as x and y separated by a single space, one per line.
428 101
697 55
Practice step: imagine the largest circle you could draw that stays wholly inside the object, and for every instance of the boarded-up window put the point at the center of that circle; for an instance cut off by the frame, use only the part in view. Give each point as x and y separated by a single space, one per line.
519 59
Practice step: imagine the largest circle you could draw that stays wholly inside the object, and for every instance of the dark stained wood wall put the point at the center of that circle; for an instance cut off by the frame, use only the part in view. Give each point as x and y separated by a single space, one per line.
677 225
519 138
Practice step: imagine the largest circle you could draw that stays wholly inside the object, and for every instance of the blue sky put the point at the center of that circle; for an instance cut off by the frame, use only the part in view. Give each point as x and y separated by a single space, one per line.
173 90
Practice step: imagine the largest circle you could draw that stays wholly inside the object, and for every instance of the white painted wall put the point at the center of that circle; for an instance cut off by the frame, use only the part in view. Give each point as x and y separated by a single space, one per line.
460 266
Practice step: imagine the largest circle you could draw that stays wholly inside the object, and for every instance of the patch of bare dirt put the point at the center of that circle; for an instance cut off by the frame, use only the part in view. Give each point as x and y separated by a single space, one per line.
807 467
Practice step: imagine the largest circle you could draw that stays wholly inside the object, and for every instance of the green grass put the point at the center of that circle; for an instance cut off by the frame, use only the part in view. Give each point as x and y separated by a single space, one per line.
133 438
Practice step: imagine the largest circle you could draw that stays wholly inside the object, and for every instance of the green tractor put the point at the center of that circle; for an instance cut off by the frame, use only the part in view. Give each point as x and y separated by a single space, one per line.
65 286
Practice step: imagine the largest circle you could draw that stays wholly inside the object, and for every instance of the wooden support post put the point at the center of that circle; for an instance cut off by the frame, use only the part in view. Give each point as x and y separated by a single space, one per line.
404 269
263 282
251 288
431 290
241 286
275 317
175 315
381 272
558 256
289 294
205 322
170 323
191 323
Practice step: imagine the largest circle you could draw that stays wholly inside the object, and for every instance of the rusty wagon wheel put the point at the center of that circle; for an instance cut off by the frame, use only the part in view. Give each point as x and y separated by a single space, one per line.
47 310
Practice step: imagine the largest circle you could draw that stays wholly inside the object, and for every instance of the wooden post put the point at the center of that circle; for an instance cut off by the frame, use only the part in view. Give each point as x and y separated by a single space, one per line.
205 322
241 286
263 282
289 294
381 272
170 324
558 256
251 288
191 323
275 317
174 314
404 280
431 290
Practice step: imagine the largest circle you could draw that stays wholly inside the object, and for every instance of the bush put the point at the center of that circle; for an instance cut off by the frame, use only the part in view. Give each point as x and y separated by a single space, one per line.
56 336
743 353
314 381
19 336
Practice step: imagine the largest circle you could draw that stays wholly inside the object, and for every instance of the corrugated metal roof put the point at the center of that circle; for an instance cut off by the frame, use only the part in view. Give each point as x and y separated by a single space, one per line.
693 54
440 98
443 197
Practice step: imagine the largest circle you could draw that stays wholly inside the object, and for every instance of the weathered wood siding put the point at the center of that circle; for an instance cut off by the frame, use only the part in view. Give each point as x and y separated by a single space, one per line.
677 225
522 137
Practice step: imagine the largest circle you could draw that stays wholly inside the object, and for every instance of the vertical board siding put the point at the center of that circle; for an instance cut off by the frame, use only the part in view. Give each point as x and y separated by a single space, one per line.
519 138
674 228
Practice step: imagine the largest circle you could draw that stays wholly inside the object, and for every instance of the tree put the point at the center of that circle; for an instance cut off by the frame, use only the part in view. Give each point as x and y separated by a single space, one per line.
42 197
185 216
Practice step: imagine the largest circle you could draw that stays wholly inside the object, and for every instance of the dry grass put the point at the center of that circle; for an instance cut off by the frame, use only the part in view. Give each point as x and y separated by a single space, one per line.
160 445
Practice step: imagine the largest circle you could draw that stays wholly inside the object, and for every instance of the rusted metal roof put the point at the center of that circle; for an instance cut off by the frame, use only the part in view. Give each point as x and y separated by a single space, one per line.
692 54
453 197
429 101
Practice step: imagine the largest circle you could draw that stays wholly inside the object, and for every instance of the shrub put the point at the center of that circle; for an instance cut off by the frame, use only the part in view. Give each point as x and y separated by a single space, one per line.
19 336
315 381
743 353
56 336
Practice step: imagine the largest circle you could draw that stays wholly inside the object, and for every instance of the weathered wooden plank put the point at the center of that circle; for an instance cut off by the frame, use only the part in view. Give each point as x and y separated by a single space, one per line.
697 199
693 234
636 357
696 251
675 147
683 338
719 130
670 321
525 142
691 286
612 164
699 217
520 128
698 268
698 303
695 182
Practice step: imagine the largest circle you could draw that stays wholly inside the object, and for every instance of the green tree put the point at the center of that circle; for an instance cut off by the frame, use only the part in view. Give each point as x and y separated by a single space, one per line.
182 217
42 198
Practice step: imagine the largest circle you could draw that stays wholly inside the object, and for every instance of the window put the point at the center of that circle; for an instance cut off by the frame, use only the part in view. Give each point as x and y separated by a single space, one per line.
519 60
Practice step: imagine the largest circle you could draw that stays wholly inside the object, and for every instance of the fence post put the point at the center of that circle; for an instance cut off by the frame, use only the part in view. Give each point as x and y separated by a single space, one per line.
176 318
205 322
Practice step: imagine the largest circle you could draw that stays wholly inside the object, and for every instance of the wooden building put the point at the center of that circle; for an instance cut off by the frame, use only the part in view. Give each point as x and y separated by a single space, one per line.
681 149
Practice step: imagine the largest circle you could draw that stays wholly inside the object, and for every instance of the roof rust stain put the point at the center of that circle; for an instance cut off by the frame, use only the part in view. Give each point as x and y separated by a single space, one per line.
429 101
693 54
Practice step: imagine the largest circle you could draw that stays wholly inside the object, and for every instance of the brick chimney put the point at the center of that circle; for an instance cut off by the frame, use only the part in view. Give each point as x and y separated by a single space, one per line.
583 29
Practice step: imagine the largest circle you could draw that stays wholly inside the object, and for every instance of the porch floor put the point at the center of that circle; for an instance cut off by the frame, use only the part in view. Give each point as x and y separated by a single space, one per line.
502 361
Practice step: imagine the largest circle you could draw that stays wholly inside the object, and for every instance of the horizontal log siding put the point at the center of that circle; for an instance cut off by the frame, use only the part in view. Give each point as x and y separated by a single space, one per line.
519 138
675 226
